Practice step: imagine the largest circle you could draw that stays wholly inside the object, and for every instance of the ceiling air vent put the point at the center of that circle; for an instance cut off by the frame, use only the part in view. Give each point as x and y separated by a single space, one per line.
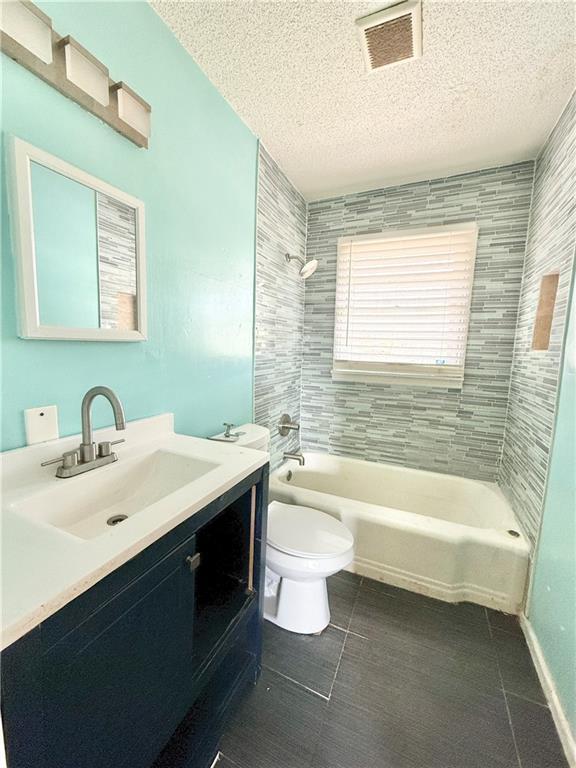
392 35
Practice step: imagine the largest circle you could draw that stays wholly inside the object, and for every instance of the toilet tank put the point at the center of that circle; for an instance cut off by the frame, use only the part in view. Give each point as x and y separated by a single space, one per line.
252 436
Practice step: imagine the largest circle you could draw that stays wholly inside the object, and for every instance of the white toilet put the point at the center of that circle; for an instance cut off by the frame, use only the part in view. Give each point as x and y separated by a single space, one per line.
304 547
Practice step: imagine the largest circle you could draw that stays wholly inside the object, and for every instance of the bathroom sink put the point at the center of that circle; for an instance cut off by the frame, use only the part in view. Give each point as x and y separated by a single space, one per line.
90 505
67 526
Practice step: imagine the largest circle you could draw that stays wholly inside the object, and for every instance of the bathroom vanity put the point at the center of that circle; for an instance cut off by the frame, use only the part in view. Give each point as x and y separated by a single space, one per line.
129 646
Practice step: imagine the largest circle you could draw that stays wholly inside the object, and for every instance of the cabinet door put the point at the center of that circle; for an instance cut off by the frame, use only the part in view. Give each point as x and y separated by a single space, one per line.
116 687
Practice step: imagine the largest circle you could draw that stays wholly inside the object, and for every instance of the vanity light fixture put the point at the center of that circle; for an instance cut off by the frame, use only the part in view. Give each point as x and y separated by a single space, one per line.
27 37
29 27
132 109
85 71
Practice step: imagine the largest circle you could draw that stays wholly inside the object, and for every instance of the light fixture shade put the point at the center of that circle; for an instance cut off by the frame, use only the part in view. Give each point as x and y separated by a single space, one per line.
85 71
132 109
29 27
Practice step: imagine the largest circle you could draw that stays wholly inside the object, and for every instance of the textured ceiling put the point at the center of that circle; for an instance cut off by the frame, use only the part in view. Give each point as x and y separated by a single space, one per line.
492 82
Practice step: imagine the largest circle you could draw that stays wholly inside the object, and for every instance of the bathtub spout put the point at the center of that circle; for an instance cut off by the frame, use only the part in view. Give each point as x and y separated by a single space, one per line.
297 457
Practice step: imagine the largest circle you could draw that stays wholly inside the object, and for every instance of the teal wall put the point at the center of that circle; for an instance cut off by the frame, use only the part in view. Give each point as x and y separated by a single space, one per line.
65 239
552 609
198 181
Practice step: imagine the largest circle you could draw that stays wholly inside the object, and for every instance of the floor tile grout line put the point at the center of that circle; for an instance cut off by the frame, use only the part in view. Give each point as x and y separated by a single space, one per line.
228 759
503 686
345 639
488 622
340 629
492 629
348 631
507 632
502 689
337 666
300 685
526 698
512 728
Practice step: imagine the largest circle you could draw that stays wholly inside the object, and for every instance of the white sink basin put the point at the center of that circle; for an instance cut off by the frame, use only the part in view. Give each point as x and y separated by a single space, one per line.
88 505
56 542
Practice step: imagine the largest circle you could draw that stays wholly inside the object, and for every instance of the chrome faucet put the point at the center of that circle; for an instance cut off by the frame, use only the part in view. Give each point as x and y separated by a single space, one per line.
89 455
297 457
87 446
228 436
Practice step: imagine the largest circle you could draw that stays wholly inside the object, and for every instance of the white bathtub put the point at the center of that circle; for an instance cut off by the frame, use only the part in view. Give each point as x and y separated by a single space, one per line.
440 535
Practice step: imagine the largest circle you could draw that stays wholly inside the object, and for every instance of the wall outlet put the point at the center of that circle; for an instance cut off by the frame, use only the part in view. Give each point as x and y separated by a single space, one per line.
41 424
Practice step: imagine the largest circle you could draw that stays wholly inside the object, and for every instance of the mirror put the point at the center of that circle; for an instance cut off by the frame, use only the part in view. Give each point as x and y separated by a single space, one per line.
80 249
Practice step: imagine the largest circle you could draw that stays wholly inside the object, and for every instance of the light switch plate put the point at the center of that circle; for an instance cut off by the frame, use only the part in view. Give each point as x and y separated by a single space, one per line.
41 424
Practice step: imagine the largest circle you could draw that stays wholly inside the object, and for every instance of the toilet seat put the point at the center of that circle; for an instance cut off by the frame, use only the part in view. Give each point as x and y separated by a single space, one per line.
306 532
304 547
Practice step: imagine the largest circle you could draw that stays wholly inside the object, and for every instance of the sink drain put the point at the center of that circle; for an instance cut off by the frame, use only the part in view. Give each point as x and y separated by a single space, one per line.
514 533
115 519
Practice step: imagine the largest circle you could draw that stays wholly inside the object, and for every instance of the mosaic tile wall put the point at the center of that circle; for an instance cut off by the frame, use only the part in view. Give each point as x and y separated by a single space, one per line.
281 228
443 430
550 248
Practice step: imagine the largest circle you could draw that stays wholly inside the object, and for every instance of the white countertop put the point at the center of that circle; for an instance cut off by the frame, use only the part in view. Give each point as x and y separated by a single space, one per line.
44 567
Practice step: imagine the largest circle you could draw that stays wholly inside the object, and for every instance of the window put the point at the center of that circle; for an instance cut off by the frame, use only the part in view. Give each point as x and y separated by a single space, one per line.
403 304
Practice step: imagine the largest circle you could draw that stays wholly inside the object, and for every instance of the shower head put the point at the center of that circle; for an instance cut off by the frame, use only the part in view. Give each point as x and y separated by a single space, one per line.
307 268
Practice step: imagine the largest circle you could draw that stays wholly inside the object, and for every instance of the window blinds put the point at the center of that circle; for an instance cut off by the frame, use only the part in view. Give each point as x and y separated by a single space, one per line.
403 304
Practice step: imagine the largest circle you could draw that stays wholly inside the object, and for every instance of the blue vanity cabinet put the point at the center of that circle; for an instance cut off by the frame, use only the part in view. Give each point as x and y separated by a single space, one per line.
126 670
144 668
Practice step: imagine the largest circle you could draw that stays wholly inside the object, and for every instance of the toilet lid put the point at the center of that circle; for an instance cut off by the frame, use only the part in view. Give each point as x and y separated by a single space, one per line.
306 532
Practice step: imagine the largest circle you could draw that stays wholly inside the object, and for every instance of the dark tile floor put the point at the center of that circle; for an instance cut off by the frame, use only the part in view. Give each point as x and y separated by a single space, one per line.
396 681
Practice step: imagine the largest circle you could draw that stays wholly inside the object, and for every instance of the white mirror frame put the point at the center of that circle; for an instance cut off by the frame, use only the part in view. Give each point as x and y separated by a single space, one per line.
21 155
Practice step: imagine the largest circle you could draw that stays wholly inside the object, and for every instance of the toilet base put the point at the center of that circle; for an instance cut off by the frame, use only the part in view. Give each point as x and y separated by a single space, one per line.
299 606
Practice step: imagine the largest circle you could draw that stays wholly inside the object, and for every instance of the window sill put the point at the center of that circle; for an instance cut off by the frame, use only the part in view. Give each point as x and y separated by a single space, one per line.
430 382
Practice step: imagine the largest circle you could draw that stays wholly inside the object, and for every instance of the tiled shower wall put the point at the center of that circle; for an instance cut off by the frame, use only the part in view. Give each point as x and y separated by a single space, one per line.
281 229
550 248
499 426
446 430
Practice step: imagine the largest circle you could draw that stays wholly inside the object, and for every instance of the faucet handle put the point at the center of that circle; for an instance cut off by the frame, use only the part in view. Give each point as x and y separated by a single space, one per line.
286 425
51 461
70 458
228 428
67 460
105 447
